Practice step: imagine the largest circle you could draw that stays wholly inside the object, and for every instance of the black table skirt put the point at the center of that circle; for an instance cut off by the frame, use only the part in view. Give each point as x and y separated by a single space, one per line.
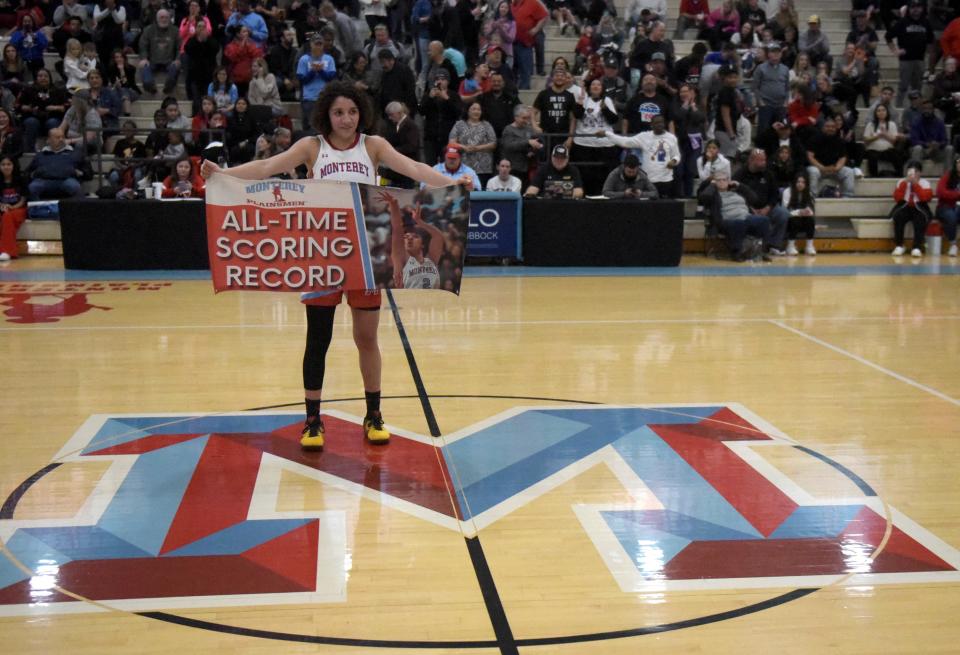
602 232
133 234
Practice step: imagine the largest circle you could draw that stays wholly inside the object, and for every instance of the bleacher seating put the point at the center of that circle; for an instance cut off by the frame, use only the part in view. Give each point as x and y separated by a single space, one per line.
839 221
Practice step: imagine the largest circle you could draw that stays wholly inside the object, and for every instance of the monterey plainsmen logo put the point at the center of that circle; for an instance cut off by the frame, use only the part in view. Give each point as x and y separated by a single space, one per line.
185 514
49 302
276 188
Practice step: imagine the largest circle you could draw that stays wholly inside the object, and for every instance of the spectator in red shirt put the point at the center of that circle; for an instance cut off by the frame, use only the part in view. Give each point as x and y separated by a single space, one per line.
241 53
804 112
913 193
184 181
950 41
530 17
948 194
693 13
201 120
13 206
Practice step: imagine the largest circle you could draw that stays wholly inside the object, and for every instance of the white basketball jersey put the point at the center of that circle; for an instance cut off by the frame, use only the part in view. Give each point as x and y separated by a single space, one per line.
420 275
350 165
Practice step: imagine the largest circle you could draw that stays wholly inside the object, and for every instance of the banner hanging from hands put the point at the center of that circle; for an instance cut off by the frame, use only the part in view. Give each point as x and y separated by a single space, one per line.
310 235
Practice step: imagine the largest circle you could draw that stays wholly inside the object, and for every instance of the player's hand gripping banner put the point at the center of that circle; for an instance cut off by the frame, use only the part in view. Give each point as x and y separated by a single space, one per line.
308 235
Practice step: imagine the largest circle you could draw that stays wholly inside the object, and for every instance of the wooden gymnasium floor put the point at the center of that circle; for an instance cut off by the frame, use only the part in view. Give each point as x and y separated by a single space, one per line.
715 459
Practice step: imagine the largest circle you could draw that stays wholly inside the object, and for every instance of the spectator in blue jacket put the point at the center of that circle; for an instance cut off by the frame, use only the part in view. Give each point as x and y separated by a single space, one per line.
314 70
928 136
108 103
30 43
55 169
243 16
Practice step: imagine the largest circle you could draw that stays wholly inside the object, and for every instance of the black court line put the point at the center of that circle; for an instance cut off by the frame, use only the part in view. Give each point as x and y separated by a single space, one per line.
10 504
311 639
417 380
677 625
491 597
472 396
856 479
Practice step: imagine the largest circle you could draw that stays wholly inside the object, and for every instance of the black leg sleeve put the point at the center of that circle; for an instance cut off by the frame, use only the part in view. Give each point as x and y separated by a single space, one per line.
319 335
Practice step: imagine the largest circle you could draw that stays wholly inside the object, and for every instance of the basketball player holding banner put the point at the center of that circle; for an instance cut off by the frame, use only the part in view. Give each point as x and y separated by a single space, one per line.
340 153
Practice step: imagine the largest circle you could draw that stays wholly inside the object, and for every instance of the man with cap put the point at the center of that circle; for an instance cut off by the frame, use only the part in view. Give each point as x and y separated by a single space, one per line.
911 112
314 70
629 181
656 41
397 82
503 180
910 39
659 153
657 66
558 179
614 86
928 137
771 88
453 167
815 43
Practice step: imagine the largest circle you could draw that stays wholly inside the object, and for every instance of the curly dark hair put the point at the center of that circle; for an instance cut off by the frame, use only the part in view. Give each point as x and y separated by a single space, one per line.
320 121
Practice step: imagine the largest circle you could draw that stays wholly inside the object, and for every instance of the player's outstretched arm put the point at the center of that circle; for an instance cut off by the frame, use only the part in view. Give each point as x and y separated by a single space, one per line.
402 164
397 250
436 236
303 151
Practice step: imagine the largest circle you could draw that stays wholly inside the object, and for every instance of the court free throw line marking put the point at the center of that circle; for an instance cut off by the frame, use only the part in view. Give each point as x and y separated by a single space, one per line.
624 321
867 362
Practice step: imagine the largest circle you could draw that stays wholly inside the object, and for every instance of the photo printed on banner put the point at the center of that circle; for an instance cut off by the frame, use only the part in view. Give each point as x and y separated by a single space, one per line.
417 238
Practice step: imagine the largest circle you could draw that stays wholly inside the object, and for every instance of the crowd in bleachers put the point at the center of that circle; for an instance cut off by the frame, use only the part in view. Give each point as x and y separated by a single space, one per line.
760 118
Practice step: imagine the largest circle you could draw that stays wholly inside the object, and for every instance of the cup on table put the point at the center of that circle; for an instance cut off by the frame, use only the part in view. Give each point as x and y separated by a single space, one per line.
158 190
148 192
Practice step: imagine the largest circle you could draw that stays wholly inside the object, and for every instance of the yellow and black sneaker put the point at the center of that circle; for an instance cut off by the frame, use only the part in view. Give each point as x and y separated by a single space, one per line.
373 429
312 436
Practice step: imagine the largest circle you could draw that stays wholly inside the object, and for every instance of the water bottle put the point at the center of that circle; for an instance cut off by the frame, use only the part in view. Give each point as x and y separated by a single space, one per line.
934 235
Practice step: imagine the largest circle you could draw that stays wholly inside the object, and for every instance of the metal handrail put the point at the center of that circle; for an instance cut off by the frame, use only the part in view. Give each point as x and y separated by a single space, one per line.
97 156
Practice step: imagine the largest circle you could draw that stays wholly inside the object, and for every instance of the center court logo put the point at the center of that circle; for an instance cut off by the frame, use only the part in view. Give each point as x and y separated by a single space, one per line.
185 514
